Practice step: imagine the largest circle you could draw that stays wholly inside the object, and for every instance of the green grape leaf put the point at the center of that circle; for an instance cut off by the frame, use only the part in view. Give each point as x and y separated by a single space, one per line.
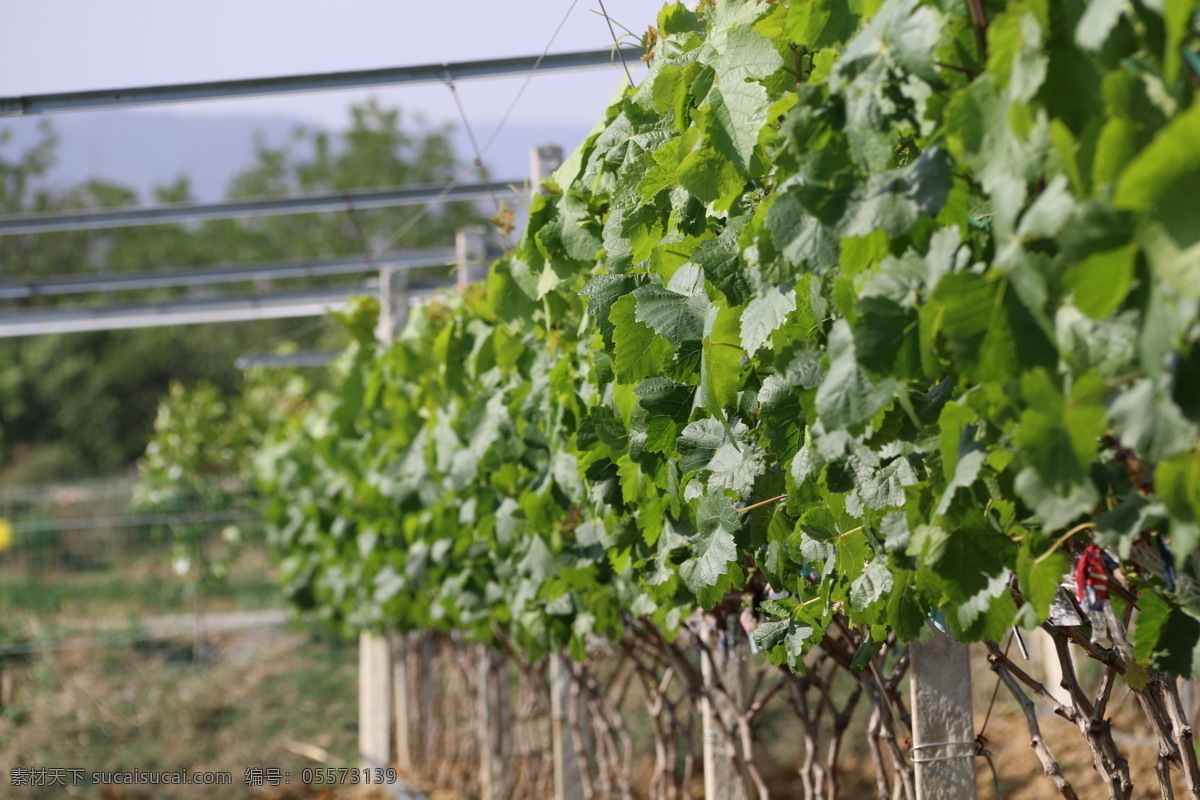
742 110
1170 157
881 485
602 291
721 260
1160 181
905 614
668 160
1058 440
847 398
1147 421
886 337
893 201
638 352
817 24
870 586
711 177
763 316
735 467
1097 22
988 330
1101 281
714 548
1040 572
901 30
678 311
781 418
1165 636
1179 485
665 397
723 367
968 460
511 290
784 642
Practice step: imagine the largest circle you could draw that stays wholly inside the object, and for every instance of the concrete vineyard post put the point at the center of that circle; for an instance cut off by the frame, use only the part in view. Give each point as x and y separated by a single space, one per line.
375 663
494 724
471 248
543 160
729 669
374 700
402 700
1045 663
427 691
567 782
393 302
943 729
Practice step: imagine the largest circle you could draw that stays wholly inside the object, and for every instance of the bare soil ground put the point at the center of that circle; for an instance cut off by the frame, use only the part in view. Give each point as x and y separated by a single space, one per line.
276 698
269 698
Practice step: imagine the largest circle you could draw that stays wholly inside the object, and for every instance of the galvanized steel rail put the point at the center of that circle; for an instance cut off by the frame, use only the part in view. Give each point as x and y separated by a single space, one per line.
269 206
28 105
311 303
307 358
208 276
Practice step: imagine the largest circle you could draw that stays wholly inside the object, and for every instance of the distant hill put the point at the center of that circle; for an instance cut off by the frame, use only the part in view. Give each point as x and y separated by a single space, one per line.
143 150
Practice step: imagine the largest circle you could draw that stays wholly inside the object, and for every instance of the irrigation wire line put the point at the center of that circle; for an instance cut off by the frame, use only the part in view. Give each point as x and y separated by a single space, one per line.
977 751
352 214
26 527
486 145
462 113
292 334
45 222
424 210
94 219
996 691
542 61
495 132
616 44
979 740
995 775
529 77
27 105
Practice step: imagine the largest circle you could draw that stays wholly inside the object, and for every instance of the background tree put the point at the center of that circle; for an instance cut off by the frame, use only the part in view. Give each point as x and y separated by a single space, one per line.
78 404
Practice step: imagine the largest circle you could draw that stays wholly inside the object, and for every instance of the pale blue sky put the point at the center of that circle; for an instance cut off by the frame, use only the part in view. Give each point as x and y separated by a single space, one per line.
61 45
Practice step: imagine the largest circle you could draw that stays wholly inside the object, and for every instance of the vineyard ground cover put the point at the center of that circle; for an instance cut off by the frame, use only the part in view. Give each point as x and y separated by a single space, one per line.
129 590
265 691
85 553
259 699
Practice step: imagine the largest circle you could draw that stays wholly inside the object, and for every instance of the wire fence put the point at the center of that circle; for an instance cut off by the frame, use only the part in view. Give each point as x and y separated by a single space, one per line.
141 635
93 554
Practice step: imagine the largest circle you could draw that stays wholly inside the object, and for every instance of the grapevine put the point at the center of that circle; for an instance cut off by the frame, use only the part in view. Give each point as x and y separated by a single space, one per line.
876 310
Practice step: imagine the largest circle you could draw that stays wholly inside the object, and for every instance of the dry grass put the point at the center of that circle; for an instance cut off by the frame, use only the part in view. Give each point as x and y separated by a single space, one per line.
258 699
275 698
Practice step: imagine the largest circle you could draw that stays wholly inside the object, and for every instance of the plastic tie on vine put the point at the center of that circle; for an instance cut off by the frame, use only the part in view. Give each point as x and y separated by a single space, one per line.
912 757
977 751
